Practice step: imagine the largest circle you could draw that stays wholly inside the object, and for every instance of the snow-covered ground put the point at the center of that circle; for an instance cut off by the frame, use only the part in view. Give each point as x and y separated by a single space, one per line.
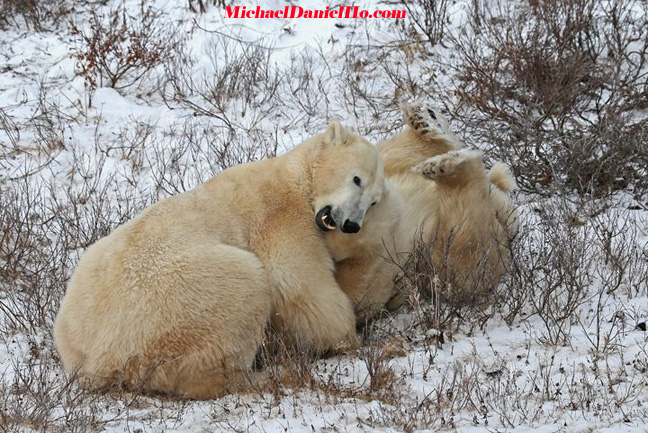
77 156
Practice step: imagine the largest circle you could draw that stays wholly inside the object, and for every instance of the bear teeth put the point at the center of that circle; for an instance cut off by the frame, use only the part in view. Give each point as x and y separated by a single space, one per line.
326 224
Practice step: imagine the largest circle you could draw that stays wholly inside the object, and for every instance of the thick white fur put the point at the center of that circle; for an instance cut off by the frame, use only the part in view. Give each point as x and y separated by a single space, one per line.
440 194
177 300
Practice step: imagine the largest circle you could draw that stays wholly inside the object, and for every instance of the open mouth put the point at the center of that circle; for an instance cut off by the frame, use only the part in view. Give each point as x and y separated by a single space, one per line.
324 220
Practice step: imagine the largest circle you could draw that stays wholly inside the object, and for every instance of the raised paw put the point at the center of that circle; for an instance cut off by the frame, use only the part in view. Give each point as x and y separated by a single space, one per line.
446 165
424 120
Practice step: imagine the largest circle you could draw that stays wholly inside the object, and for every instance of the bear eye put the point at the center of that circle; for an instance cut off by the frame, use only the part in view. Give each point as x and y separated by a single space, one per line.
374 203
357 180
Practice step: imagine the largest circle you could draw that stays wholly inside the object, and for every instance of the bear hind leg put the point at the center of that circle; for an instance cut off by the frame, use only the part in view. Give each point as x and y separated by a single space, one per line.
425 121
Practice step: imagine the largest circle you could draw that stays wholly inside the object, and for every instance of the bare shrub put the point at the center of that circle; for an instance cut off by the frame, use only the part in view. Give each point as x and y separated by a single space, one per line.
10 129
556 88
38 397
525 263
289 369
458 388
621 273
33 263
375 79
50 124
430 17
22 159
44 225
553 269
121 48
35 14
241 85
200 6
622 270
562 275
306 89
197 150
382 377
442 291
567 267
43 229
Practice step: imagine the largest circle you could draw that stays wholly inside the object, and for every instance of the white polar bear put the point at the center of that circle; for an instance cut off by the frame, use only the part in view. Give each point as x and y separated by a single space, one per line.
177 300
438 195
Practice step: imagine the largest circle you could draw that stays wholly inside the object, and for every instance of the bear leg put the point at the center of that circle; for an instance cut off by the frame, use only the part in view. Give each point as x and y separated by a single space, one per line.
458 167
425 121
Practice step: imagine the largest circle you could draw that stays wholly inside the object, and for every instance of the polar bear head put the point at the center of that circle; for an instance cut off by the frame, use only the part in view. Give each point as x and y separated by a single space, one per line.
348 179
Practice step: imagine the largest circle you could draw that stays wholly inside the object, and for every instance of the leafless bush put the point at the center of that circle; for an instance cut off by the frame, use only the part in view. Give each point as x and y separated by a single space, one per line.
122 48
43 225
563 261
561 274
430 17
37 14
382 377
200 6
458 388
555 265
375 79
50 124
184 155
22 159
244 89
43 228
306 91
550 272
443 292
622 268
22 260
194 151
557 88
241 85
289 368
508 392
621 271
9 127
38 397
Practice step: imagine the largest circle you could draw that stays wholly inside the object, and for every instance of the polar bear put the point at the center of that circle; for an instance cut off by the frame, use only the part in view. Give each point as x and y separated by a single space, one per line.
439 196
178 299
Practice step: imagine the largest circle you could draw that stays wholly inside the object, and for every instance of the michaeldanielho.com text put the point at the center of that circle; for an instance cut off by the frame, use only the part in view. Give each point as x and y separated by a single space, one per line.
300 12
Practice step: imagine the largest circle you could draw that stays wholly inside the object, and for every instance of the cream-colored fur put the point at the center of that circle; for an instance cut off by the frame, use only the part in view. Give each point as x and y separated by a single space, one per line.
177 300
442 196
364 268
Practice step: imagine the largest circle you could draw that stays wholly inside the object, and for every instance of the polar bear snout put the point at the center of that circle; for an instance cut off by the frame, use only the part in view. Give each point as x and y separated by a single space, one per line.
349 216
326 220
350 227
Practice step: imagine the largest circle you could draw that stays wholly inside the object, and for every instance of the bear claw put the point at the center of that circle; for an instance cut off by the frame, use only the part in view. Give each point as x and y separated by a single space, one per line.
424 120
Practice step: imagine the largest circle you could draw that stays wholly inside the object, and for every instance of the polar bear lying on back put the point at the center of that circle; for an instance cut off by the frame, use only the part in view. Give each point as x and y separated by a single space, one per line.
438 194
177 299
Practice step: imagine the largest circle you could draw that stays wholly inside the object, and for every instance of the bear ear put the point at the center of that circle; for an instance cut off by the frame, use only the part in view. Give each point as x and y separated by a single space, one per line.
335 134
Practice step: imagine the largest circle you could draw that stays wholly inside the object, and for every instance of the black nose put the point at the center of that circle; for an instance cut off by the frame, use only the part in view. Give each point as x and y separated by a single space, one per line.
350 227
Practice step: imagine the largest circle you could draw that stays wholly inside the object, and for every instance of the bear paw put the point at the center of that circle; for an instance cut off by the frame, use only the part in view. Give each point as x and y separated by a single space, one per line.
446 165
424 120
